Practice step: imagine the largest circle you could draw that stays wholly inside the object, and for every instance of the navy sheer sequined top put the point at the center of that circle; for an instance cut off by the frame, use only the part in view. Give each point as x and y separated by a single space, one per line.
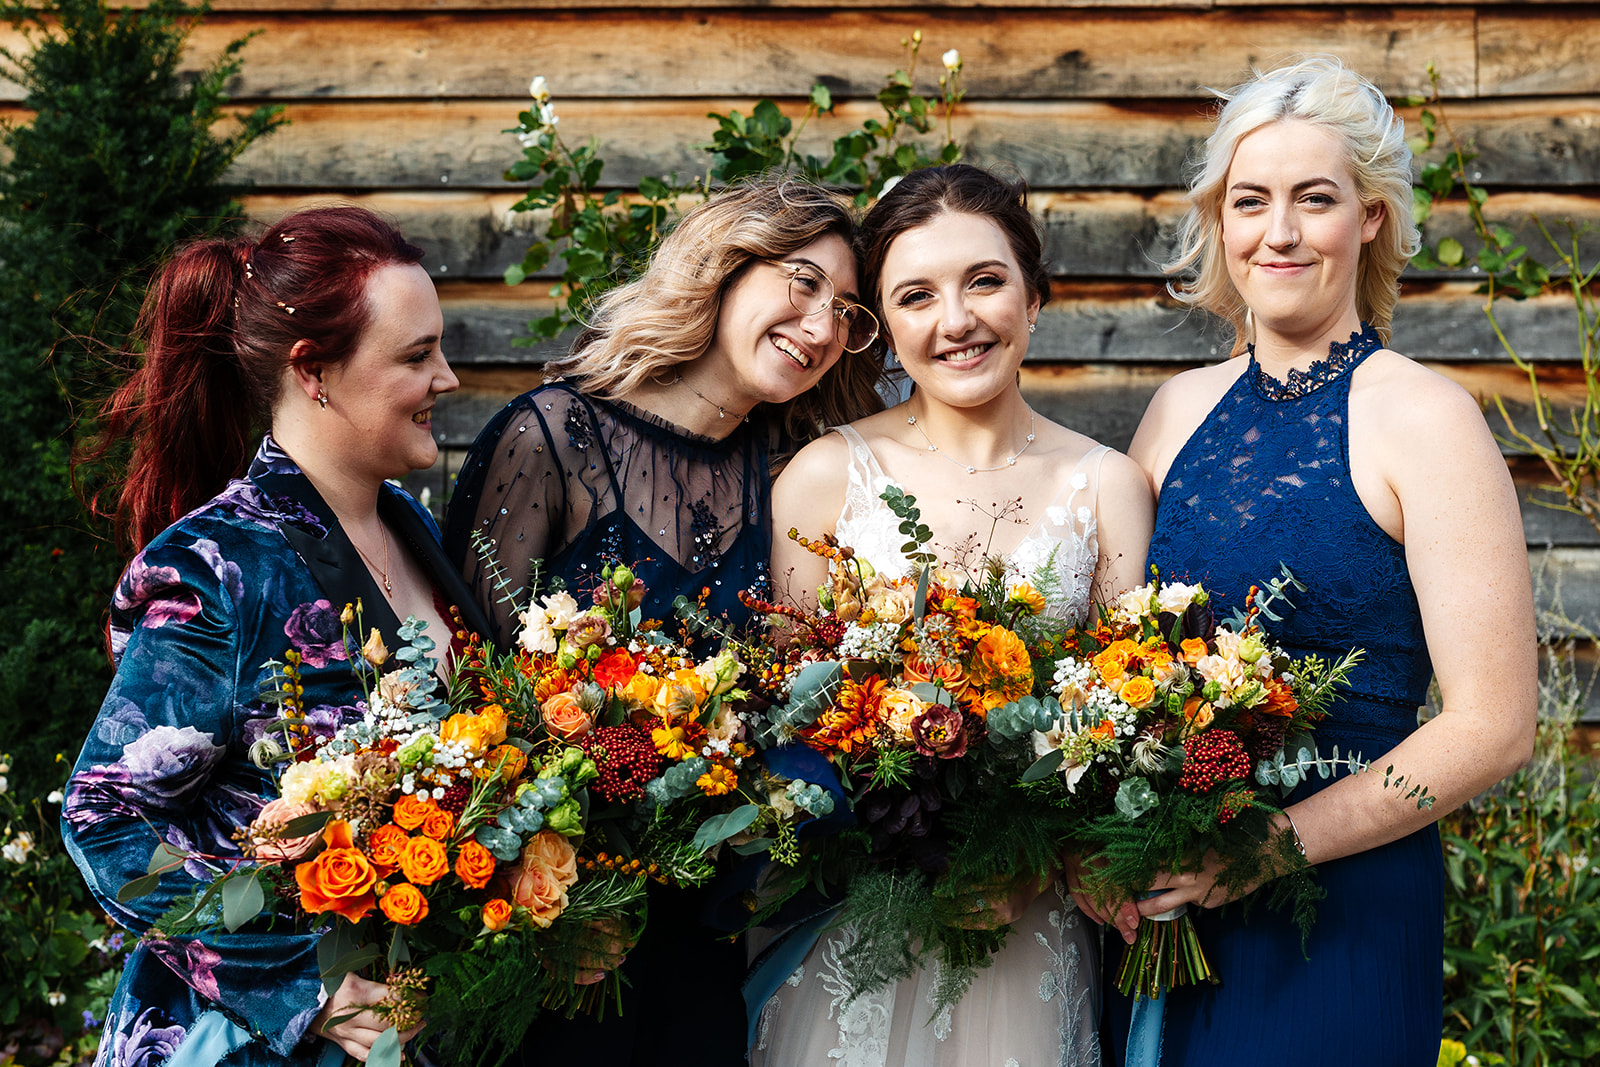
576 482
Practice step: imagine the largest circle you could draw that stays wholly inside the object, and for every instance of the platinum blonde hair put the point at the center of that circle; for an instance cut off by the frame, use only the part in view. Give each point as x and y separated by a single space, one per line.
668 315
1321 90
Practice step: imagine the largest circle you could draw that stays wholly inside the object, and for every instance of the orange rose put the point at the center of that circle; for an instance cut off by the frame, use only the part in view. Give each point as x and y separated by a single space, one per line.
424 861
384 845
340 879
537 889
1138 692
554 852
1193 650
265 832
565 718
471 730
496 914
410 813
641 689
1197 715
474 865
510 760
495 724
439 824
404 904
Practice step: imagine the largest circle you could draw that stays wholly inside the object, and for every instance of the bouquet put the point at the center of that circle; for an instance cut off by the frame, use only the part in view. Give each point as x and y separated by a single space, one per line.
433 847
922 694
1179 737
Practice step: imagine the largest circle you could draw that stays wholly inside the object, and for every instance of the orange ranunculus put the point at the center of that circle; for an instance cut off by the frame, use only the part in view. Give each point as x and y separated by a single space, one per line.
1193 650
942 673
555 853
474 865
537 889
1001 668
509 759
681 694
404 904
410 813
564 716
439 824
1280 699
424 861
496 914
1137 692
470 730
1105 728
1112 661
384 845
641 689
340 879
615 668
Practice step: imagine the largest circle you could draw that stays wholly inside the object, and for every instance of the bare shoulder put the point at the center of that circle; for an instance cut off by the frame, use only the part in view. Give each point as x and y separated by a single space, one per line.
1176 410
1412 405
816 467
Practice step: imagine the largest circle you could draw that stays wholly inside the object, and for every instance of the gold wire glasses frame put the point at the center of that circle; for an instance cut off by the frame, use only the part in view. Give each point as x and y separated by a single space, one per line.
810 291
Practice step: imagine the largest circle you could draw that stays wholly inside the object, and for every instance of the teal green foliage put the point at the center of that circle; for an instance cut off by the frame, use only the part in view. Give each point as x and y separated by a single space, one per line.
61 957
119 161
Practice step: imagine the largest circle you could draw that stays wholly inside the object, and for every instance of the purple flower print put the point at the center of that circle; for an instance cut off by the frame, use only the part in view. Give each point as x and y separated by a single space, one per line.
158 591
316 634
170 761
192 961
297 513
227 571
149 1041
321 722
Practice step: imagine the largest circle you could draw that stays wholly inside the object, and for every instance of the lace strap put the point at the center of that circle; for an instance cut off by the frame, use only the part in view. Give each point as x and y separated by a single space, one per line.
863 473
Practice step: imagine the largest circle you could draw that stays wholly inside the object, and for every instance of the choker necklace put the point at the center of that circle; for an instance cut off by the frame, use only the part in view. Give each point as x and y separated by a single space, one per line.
722 412
383 571
911 420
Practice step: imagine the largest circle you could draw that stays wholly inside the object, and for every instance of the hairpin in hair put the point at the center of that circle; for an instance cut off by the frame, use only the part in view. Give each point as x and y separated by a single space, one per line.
285 238
286 307
247 269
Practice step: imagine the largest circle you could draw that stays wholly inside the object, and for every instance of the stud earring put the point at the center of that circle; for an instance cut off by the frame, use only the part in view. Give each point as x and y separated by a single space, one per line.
322 397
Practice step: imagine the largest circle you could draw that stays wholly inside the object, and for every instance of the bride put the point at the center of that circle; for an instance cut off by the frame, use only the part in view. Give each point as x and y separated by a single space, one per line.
952 261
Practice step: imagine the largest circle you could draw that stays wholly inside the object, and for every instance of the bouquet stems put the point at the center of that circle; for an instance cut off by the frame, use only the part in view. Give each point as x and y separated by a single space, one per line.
1166 954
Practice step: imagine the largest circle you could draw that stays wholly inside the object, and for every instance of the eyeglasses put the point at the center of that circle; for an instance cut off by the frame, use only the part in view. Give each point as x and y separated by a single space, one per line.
810 291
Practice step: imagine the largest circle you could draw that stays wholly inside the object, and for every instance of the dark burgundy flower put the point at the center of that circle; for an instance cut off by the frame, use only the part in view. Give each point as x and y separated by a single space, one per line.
941 732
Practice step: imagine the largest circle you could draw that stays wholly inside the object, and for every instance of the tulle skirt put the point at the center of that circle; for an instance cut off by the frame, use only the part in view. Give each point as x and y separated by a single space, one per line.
1036 1005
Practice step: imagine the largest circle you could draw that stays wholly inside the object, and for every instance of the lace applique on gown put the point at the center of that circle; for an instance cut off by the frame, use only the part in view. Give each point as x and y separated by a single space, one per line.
1037 1004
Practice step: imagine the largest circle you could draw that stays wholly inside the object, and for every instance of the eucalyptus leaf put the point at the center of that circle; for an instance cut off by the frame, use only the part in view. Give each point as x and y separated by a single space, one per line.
242 900
385 1051
138 887
304 825
164 858
1044 766
719 828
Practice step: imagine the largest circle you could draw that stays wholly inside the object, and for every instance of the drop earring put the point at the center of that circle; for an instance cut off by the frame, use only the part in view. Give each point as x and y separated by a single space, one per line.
322 397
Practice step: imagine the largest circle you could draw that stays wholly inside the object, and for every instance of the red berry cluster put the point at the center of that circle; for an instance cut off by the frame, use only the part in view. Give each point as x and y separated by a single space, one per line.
626 760
1215 756
455 798
1233 804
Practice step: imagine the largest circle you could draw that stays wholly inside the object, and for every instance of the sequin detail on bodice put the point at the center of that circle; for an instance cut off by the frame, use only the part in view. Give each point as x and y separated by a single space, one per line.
1265 482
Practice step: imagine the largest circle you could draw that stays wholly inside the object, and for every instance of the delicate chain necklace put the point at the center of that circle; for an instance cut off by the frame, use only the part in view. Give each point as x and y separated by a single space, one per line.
383 571
722 412
911 420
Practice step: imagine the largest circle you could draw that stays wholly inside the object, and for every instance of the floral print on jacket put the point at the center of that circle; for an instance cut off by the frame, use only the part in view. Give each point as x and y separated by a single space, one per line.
194 618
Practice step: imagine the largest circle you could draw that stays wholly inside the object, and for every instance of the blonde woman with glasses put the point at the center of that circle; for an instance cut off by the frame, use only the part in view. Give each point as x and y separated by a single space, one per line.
740 342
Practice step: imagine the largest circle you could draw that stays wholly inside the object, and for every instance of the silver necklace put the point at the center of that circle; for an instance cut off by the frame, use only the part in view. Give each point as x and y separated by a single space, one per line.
722 412
911 420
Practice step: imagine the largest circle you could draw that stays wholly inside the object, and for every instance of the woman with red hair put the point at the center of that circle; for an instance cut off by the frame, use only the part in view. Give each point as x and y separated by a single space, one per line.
326 330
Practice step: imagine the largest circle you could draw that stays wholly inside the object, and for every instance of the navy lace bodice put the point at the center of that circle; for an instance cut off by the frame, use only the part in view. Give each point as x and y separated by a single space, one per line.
1264 482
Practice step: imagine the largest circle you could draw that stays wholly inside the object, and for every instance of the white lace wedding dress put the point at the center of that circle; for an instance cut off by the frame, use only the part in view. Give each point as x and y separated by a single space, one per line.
1037 1004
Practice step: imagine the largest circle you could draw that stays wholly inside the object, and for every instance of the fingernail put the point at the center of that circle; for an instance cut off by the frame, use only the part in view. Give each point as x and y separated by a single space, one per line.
599 976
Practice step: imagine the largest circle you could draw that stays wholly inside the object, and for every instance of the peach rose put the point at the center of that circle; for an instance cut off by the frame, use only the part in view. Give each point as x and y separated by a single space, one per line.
265 831
565 718
537 889
410 813
554 852
474 865
404 904
439 824
496 914
340 879
1137 692
424 861
385 845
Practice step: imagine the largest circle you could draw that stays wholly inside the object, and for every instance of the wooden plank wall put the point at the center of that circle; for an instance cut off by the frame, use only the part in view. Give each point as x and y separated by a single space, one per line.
402 104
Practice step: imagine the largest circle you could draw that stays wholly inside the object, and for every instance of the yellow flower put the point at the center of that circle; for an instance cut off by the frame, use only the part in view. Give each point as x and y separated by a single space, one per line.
1025 595
374 651
1001 667
1137 692
677 742
718 781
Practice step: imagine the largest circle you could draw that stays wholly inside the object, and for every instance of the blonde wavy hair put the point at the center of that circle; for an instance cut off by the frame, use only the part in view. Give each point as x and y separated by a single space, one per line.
668 315
1322 90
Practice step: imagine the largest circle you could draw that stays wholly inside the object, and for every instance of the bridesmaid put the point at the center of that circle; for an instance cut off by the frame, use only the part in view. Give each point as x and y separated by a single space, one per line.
1380 486
743 338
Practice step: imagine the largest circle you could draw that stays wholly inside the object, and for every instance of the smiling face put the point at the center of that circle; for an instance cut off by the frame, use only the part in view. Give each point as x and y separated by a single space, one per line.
383 395
1293 227
956 307
765 351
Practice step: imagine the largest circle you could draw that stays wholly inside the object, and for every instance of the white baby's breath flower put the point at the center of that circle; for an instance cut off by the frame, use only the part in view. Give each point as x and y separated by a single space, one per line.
951 60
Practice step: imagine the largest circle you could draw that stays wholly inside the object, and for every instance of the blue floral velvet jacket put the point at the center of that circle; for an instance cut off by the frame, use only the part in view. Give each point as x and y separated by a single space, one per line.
260 569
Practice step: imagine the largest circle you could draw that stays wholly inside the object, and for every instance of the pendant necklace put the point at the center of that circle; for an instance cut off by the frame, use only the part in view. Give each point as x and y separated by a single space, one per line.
722 412
383 571
911 420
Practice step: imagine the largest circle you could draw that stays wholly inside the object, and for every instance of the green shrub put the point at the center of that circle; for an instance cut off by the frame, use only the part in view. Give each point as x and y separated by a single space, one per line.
118 163
62 957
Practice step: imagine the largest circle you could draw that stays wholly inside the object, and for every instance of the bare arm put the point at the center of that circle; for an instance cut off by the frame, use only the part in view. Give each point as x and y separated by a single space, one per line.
807 498
1125 513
